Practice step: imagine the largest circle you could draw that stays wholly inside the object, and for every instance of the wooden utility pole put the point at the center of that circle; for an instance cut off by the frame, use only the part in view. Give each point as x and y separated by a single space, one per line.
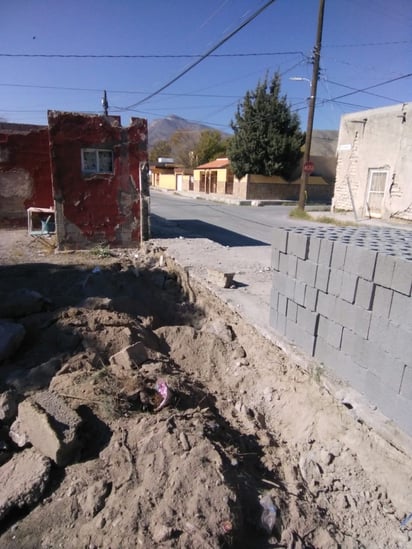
105 103
311 113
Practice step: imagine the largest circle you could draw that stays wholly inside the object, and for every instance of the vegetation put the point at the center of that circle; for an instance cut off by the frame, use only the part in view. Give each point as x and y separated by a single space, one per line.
211 145
159 149
267 138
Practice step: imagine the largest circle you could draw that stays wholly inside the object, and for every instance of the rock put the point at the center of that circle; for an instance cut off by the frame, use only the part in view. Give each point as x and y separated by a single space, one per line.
18 435
8 405
37 378
11 337
311 472
219 278
51 426
95 498
130 357
22 302
219 328
23 480
96 303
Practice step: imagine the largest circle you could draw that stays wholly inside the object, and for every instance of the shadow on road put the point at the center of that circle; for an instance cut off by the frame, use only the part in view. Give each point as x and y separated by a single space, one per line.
193 228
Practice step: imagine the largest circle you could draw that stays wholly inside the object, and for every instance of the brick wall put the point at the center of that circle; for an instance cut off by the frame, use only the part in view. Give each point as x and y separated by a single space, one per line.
343 295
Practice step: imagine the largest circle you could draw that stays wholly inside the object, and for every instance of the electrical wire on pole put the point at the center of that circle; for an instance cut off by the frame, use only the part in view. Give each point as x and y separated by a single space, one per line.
307 165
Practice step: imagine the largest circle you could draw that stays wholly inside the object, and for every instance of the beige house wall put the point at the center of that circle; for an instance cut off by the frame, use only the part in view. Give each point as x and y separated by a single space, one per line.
378 139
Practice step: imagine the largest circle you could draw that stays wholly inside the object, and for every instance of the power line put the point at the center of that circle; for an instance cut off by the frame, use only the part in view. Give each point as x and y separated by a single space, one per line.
205 55
367 44
147 56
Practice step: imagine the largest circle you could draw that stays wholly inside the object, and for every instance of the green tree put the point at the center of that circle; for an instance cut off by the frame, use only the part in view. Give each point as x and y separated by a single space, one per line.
159 149
211 145
183 143
267 139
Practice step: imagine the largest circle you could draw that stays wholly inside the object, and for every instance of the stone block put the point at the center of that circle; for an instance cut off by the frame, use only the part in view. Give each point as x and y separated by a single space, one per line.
220 278
338 255
364 294
335 282
130 357
323 352
348 288
353 317
330 331
283 263
325 252
401 310
361 262
300 293
23 480
406 383
311 298
274 299
348 370
385 265
292 265
51 426
401 413
292 331
274 262
381 395
281 324
327 305
314 248
306 342
282 304
402 277
279 281
307 320
291 310
290 287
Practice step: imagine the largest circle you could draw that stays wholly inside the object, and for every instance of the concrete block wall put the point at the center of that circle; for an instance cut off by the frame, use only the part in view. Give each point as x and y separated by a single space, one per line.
343 296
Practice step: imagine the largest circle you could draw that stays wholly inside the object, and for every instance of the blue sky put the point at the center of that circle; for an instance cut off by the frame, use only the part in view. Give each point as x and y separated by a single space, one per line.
365 45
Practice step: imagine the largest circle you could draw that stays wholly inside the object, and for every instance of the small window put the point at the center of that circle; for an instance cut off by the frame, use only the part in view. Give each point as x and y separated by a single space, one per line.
97 161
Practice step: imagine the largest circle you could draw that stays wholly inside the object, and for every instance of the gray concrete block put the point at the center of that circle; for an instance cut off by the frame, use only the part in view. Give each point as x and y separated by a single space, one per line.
314 248
274 298
298 244
311 298
338 255
323 352
300 293
385 265
322 278
306 272
307 320
281 324
402 277
364 294
274 261
326 305
353 317
349 285
306 342
402 413
335 282
283 263
382 301
325 252
273 317
292 265
348 370
280 239
383 332
379 394
352 345
401 343
279 281
282 304
406 383
330 331
361 261
292 331
292 311
401 310
290 287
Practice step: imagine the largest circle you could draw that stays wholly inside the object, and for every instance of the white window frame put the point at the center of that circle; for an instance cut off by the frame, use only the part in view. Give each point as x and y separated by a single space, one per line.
97 159
372 172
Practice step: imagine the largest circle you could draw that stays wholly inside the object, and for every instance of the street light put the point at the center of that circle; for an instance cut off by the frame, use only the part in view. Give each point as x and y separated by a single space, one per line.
303 79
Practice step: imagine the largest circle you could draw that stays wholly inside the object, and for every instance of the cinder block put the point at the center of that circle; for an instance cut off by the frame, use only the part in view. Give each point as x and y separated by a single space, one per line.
379 394
306 342
292 265
281 324
306 272
290 287
298 244
364 294
326 305
283 263
280 239
282 304
382 301
401 343
335 282
406 383
323 352
274 298
292 331
314 247
311 298
402 413
292 311
353 317
307 320
274 263
338 255
360 261
300 293
401 310
348 370
385 265
352 345
322 278
273 316
389 369
330 331
325 252
279 281
349 285
402 276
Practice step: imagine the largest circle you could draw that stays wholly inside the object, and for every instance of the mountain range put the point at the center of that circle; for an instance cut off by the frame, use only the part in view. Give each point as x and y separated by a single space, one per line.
161 129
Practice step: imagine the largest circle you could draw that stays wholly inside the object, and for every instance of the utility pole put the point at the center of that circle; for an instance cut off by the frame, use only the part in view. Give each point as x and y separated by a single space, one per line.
105 104
311 113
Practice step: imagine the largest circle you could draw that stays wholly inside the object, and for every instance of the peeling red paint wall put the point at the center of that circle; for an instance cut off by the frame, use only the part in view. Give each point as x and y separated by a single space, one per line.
25 177
100 207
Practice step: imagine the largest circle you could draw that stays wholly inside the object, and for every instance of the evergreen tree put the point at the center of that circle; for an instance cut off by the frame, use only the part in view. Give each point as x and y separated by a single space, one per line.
211 145
267 139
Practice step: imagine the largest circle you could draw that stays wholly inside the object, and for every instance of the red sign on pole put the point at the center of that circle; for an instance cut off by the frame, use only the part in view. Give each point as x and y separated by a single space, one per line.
308 166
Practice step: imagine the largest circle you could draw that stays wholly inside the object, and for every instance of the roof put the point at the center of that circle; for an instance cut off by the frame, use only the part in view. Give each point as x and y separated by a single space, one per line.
215 164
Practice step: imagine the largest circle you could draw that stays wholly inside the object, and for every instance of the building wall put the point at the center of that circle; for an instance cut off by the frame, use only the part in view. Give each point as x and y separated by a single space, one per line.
25 178
97 208
343 295
375 139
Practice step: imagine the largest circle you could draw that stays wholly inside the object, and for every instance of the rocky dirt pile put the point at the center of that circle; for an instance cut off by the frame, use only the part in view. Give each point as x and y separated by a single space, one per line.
138 411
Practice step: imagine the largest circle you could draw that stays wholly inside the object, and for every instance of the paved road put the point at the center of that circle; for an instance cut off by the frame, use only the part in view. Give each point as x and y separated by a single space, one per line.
229 225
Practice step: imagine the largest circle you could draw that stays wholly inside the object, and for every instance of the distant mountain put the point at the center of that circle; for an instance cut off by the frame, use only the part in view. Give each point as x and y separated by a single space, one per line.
162 129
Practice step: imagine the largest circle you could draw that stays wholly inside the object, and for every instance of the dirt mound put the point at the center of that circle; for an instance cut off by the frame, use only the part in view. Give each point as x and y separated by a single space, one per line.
249 451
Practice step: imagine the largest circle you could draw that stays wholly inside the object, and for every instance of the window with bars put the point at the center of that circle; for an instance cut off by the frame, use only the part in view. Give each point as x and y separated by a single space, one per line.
97 161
